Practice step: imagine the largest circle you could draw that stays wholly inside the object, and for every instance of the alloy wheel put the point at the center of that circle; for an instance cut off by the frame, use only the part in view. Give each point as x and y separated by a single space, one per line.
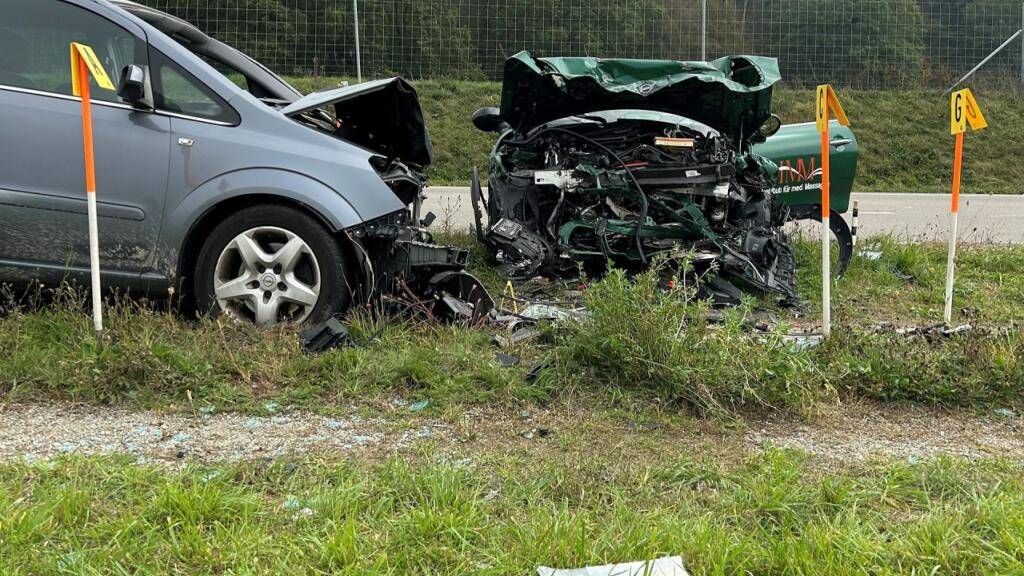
267 275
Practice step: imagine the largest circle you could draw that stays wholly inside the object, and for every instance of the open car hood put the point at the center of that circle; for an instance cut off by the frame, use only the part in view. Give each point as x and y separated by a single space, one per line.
731 94
380 115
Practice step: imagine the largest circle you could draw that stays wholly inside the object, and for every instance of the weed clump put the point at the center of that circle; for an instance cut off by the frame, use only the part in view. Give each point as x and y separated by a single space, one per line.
638 335
643 337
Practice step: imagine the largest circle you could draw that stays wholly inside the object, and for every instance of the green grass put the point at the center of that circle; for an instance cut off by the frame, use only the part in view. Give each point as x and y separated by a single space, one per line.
906 285
903 135
641 337
639 341
773 513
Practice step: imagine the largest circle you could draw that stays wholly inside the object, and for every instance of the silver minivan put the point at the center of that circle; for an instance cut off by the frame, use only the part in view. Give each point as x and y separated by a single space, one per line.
215 176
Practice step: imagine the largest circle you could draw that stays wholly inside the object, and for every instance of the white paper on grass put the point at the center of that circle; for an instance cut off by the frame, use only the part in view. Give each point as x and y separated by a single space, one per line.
667 566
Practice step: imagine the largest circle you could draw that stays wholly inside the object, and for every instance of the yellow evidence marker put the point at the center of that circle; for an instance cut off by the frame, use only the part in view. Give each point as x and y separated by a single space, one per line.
86 54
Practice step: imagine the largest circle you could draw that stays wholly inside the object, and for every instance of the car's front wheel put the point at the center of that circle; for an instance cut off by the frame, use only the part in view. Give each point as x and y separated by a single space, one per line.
270 265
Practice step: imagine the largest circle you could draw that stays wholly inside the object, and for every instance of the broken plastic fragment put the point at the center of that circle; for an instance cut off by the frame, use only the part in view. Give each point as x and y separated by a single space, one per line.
547 312
325 336
506 360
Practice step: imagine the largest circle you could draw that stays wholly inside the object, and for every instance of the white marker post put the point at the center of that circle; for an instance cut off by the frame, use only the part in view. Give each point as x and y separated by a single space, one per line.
963 110
84 63
826 100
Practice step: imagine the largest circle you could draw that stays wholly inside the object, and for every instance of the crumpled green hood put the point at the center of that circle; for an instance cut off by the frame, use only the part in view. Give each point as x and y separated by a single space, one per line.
732 94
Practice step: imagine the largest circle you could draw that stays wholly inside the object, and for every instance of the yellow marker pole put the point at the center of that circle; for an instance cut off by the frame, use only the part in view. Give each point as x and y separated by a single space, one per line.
826 232
963 112
826 101
90 191
84 62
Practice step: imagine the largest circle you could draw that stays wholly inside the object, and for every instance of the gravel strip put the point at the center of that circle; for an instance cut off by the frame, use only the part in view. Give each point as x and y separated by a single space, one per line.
849 433
863 432
44 431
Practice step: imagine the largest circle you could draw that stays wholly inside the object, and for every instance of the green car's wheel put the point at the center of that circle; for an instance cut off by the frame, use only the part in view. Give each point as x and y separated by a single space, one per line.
840 229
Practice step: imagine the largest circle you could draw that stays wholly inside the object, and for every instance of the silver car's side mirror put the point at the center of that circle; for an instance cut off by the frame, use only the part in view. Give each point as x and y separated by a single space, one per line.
132 88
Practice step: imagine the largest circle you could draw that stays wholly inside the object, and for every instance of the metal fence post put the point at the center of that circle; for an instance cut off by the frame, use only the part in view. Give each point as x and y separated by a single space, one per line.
359 63
704 30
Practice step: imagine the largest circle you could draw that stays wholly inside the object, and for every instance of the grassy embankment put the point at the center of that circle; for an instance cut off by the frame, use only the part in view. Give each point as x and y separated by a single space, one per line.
904 135
638 342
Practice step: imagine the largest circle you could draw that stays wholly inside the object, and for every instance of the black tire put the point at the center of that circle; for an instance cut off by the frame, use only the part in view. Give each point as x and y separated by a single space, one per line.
335 292
840 230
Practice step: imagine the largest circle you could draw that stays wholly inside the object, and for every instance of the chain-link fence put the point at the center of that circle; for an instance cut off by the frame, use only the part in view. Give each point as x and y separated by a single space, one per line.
851 43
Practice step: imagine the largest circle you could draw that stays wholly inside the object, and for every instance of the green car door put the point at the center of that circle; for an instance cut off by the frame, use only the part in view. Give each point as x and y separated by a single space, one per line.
796 148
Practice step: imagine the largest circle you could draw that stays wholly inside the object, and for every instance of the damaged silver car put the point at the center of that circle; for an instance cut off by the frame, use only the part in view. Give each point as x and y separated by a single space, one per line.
625 161
216 178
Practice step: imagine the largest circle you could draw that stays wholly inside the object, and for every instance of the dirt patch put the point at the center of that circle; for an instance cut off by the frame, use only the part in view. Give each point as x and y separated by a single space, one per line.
849 433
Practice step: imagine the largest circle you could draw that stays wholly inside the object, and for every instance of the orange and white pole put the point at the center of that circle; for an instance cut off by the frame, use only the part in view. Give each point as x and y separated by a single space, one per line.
826 101
83 64
963 112
90 191
954 211
826 235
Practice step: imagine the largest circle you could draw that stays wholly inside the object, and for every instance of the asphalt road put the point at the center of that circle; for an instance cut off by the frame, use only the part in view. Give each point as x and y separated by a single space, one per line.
913 217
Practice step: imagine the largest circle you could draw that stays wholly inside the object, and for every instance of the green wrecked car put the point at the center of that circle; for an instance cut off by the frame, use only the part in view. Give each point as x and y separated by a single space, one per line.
628 160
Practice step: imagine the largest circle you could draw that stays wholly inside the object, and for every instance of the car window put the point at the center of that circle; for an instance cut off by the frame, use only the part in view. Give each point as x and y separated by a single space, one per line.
178 91
227 71
35 36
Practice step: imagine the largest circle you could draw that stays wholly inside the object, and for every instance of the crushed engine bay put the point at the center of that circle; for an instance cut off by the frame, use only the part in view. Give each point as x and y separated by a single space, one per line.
630 185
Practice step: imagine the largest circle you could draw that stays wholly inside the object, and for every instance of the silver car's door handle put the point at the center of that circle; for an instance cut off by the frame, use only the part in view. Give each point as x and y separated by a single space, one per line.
840 142
185 141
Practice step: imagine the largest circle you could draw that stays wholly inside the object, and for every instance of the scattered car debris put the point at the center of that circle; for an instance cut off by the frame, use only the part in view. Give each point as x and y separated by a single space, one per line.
535 372
519 336
459 296
326 336
629 160
667 566
506 360
801 342
553 313
538 433
931 333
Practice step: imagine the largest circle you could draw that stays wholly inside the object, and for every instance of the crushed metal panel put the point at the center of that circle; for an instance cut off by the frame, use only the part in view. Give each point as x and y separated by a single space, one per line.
731 94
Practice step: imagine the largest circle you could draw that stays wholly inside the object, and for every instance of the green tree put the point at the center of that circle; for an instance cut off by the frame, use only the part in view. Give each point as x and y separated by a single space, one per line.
861 43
